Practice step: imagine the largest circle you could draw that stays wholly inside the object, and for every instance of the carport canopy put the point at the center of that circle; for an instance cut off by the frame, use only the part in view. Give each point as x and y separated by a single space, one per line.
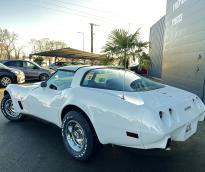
69 53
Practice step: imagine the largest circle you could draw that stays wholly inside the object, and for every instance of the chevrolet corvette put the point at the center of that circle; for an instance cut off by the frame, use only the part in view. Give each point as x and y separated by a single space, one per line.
95 105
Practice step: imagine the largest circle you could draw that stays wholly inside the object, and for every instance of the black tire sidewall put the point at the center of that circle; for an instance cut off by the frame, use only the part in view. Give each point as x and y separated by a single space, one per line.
88 149
5 98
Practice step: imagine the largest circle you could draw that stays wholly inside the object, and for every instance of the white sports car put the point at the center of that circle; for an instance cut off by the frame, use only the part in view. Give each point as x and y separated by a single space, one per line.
104 105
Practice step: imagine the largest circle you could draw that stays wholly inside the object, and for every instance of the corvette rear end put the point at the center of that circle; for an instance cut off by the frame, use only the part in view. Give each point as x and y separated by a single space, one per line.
174 116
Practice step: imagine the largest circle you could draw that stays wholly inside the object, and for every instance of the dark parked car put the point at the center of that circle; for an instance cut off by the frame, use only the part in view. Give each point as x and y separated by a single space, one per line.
31 70
10 76
138 70
56 65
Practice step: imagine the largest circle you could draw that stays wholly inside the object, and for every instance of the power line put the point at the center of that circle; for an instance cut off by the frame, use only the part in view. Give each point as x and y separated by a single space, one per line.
86 7
78 11
71 13
74 12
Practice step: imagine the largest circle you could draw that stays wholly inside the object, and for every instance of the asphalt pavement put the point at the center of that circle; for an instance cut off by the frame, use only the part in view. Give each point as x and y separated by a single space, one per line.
34 146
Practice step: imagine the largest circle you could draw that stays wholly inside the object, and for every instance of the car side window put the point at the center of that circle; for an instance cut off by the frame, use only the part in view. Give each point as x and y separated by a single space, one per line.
110 79
9 63
14 63
61 80
29 65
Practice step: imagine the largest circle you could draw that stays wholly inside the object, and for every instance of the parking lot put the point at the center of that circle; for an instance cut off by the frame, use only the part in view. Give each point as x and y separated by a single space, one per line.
35 146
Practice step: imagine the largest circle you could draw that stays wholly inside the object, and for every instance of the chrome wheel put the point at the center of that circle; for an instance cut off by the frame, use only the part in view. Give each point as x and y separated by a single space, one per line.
5 81
78 136
9 109
75 136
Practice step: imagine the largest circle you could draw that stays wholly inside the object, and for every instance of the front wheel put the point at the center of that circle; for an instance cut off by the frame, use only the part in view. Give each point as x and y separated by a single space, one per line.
5 81
78 136
43 77
8 109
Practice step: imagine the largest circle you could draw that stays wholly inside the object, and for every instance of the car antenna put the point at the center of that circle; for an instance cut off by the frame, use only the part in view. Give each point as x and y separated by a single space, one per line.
125 63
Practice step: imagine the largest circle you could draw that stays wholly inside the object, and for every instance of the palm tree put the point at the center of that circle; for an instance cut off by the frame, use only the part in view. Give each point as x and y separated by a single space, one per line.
124 46
145 61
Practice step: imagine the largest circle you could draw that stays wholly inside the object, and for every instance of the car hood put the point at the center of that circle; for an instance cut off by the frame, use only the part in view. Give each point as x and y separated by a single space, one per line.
159 97
48 71
14 69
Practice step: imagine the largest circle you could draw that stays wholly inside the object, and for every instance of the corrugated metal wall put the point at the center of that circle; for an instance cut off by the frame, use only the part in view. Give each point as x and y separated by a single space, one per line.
184 45
156 47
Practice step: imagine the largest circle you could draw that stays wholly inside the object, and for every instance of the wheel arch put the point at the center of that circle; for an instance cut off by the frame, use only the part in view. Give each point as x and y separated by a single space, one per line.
6 92
72 107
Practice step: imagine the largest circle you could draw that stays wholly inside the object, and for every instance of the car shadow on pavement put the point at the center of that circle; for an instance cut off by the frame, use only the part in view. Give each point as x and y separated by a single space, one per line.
33 145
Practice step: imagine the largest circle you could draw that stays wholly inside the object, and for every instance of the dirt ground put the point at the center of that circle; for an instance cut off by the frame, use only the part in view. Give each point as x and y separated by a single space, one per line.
1 93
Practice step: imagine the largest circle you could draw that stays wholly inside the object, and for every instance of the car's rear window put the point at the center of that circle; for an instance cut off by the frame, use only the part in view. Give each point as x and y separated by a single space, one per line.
134 82
113 79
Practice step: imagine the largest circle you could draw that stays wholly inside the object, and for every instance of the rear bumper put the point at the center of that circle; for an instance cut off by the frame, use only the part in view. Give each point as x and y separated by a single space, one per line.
182 133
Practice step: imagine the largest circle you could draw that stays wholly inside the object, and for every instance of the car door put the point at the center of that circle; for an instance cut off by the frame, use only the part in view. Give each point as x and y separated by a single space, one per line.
44 102
31 70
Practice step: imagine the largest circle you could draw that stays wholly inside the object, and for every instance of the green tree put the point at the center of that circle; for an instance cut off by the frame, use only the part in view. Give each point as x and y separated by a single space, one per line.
106 60
124 46
145 61
39 60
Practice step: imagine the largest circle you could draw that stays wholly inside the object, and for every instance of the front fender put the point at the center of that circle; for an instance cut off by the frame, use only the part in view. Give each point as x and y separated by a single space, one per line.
18 93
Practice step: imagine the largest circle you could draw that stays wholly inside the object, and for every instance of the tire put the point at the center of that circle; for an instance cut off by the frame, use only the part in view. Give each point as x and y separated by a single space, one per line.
7 109
5 81
43 77
79 138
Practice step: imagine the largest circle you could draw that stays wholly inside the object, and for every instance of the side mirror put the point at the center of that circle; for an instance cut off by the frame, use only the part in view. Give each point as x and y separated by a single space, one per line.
43 84
53 87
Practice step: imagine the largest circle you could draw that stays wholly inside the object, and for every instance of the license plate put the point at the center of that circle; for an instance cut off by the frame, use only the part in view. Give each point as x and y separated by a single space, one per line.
188 128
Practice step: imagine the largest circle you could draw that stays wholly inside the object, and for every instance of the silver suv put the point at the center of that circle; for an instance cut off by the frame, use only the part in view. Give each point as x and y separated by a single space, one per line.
31 70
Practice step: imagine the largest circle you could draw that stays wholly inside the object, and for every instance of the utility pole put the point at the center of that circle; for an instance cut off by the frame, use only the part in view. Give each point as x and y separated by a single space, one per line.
91 29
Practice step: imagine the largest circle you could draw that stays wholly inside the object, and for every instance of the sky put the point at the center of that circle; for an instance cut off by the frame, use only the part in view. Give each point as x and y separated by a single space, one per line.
63 19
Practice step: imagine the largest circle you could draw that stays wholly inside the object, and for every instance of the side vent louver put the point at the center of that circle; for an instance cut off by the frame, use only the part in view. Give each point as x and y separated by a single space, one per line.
20 105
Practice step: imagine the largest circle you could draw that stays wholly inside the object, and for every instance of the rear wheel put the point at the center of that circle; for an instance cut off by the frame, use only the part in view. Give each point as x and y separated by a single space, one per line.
5 81
43 77
78 136
8 109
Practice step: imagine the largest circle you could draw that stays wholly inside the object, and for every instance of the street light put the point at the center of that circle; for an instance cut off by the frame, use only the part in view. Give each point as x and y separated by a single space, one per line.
83 38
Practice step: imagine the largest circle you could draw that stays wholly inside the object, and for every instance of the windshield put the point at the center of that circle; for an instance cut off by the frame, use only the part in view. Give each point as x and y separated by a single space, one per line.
3 66
61 80
35 64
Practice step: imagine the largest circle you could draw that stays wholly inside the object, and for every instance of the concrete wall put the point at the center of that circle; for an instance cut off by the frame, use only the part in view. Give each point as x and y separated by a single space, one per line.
184 45
156 47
